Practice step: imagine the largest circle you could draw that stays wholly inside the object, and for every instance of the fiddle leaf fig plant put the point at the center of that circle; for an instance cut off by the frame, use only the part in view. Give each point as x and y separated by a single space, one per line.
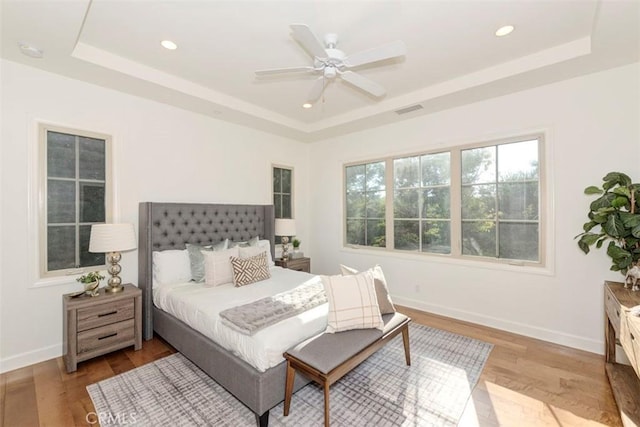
615 217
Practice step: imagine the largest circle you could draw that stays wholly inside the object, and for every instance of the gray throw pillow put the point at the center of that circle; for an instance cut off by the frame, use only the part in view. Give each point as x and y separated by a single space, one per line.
196 259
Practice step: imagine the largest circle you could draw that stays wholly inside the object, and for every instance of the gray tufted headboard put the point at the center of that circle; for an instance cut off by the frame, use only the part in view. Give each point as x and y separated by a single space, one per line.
171 225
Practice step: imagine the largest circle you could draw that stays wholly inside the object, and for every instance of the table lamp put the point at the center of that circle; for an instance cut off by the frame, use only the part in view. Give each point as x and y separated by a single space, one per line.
284 228
112 239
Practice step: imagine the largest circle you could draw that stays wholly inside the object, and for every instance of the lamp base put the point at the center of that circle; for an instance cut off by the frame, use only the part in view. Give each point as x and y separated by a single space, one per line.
114 284
114 289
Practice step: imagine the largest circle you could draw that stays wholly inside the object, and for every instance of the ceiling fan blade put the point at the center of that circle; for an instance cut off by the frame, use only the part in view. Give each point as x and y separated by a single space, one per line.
301 69
386 51
308 40
316 90
363 83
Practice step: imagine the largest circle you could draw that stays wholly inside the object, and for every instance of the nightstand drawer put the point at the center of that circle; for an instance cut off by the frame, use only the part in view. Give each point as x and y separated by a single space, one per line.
104 314
105 336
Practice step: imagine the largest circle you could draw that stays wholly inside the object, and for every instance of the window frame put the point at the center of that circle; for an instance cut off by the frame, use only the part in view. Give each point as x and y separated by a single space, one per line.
278 239
43 129
456 203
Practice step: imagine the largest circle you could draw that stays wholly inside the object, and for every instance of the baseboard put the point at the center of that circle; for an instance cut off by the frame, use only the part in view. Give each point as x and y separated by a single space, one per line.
593 346
549 335
30 358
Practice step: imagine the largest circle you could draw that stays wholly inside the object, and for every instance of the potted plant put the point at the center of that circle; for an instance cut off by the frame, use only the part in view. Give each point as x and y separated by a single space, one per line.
91 282
615 217
296 248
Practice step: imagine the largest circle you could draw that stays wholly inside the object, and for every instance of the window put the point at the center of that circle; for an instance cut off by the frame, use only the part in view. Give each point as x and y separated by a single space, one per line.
421 207
75 195
473 201
365 204
282 194
500 215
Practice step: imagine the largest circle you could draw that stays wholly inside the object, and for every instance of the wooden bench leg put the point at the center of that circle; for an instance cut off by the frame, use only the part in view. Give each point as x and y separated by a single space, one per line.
405 340
288 388
326 403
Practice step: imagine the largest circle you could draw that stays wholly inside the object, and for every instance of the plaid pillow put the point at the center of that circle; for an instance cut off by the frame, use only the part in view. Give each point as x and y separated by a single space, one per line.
352 302
250 270
382 290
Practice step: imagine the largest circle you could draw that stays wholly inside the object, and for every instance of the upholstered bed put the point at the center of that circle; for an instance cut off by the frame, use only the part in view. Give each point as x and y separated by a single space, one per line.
165 226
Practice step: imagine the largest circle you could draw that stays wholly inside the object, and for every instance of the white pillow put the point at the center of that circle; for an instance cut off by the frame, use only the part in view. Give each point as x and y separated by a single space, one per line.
352 302
266 244
217 266
250 251
171 266
256 249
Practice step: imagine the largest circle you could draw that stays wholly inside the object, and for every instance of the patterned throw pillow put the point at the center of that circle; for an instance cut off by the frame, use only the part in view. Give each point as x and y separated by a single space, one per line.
382 290
352 302
250 270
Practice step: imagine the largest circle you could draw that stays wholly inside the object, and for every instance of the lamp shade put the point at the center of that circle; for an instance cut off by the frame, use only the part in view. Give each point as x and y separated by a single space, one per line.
112 238
285 227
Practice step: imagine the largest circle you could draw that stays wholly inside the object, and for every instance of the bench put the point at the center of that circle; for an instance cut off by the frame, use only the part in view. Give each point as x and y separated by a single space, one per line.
327 357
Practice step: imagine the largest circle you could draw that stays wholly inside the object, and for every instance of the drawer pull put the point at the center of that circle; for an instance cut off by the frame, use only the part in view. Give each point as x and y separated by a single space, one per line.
618 313
108 336
107 314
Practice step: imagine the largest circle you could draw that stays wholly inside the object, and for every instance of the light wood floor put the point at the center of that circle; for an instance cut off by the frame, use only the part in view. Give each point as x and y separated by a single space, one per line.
526 382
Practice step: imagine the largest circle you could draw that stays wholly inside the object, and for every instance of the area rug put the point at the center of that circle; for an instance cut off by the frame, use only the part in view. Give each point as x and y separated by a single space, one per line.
382 391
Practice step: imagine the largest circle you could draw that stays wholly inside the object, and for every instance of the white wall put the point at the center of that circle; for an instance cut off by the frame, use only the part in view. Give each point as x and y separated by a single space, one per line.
161 153
592 126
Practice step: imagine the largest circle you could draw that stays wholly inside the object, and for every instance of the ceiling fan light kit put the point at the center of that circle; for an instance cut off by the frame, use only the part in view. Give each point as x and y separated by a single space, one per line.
330 62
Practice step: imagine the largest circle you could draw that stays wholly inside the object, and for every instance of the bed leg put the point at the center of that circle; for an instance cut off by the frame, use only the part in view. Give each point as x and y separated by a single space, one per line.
263 420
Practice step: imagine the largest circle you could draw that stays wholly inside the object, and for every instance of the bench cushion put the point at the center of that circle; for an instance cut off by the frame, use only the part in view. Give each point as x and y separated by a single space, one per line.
327 351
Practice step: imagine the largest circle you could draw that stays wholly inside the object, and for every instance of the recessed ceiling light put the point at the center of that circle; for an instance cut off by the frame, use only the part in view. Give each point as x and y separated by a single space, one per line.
307 105
30 50
168 44
503 31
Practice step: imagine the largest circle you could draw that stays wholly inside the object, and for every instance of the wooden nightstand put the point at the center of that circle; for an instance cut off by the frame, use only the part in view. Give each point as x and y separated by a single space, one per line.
298 264
94 326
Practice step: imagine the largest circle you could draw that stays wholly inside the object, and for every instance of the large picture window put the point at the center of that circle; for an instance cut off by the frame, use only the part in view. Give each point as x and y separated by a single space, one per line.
75 195
470 201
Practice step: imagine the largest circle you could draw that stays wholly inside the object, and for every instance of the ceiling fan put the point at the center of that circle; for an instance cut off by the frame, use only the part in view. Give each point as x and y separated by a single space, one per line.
331 62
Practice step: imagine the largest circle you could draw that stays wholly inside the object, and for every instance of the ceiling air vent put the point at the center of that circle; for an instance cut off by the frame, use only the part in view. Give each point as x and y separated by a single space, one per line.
409 109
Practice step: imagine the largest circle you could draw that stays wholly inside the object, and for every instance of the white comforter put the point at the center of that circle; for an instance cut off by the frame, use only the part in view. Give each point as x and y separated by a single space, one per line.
199 307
